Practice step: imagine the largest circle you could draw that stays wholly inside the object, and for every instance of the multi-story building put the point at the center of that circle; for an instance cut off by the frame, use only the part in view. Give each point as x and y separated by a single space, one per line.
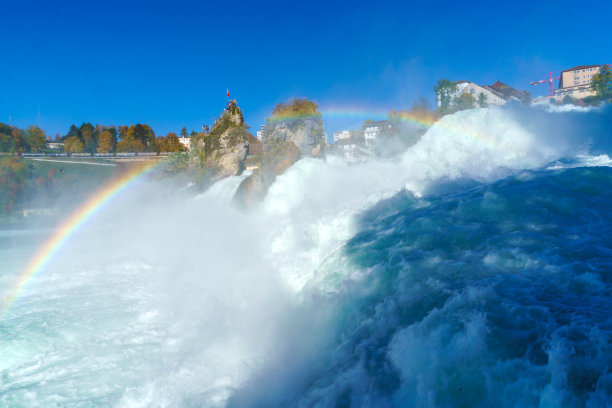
576 82
261 131
372 130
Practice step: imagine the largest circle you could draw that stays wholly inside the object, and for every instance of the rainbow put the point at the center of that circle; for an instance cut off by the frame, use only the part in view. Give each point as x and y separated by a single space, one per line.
358 114
61 235
421 119
113 188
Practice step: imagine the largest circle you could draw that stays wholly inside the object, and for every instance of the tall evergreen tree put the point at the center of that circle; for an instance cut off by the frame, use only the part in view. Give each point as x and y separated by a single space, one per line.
88 137
72 132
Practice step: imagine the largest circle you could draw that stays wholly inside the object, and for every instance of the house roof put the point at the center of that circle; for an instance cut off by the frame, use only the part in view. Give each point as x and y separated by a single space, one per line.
494 91
580 67
506 90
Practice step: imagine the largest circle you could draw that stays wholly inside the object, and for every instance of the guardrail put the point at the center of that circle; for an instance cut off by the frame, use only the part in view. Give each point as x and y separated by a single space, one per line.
92 155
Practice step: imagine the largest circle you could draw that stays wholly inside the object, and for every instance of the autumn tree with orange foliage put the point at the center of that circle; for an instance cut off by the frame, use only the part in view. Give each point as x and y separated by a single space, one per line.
172 144
73 145
106 142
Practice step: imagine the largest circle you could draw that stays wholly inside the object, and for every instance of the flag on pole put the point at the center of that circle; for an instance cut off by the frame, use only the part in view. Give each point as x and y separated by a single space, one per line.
228 92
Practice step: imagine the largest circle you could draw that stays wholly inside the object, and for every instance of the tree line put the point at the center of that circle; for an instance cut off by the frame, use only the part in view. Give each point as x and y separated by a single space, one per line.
88 138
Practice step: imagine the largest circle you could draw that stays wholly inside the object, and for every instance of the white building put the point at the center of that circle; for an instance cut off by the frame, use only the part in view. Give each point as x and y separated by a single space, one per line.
371 131
55 145
493 97
345 135
185 141
261 131
497 94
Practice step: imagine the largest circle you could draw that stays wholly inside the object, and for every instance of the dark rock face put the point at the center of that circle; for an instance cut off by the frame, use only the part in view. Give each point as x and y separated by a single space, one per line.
276 160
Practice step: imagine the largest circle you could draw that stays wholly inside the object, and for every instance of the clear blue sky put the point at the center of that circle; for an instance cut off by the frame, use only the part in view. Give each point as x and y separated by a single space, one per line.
169 63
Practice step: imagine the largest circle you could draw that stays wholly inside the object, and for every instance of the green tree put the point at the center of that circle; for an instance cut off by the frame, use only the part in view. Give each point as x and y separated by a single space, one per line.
122 131
88 136
72 132
106 142
35 138
482 100
113 131
145 134
73 145
445 90
602 84
463 102
184 132
7 143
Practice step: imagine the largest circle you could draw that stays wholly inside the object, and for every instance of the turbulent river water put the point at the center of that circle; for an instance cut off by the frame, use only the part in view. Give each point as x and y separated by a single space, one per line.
474 270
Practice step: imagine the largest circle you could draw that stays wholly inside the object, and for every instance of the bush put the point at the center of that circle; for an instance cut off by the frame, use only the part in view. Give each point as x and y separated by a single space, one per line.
295 108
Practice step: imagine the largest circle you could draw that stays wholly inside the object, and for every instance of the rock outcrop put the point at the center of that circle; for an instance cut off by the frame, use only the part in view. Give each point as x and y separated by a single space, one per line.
306 133
294 131
222 152
275 161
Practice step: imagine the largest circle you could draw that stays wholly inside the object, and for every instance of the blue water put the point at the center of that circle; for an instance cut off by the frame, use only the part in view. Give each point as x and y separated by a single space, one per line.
496 296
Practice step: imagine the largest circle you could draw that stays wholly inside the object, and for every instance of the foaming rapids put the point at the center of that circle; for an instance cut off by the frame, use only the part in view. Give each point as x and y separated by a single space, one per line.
453 274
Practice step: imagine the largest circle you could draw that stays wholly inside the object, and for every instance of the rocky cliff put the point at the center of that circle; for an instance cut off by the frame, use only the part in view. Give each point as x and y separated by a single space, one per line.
294 131
222 152
306 133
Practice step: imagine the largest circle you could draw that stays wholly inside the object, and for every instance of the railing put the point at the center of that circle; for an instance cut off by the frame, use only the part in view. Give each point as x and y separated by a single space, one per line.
118 155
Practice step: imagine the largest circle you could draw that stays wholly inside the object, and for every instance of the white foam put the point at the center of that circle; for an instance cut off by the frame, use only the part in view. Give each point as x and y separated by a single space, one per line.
163 299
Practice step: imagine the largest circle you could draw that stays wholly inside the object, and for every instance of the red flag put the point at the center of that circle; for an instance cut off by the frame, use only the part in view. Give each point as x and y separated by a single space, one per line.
228 92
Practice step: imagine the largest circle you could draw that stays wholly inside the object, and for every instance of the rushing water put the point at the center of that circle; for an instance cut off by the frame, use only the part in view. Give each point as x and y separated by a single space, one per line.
473 271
